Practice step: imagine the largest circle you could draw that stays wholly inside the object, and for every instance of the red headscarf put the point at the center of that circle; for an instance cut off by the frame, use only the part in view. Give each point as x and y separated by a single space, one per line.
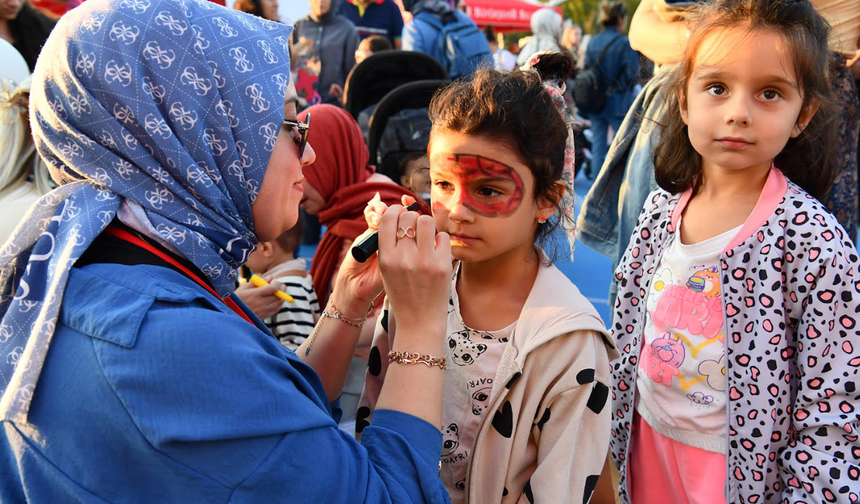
340 175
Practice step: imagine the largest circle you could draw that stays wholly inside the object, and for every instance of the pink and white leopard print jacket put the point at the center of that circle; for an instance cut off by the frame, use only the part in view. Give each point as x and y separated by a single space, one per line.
791 303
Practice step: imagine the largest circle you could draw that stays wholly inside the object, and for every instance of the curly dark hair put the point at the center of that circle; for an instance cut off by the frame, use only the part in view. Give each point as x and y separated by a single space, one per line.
514 108
809 159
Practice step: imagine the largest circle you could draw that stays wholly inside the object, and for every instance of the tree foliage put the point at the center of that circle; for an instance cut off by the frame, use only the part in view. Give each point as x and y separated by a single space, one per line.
585 12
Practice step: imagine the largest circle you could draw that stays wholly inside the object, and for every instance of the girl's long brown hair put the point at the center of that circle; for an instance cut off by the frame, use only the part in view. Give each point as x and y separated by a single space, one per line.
808 160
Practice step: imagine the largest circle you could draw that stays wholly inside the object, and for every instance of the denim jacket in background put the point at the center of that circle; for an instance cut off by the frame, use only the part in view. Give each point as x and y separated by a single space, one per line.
612 206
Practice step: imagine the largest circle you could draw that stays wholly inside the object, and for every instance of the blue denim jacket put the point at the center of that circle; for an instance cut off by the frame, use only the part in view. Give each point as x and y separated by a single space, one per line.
154 391
612 206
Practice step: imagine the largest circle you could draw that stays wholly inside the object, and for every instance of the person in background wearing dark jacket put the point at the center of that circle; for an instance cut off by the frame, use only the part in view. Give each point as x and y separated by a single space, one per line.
25 28
618 69
323 53
375 17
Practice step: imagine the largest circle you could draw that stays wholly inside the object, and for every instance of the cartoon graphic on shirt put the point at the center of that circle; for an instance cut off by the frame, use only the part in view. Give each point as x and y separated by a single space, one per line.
462 350
715 372
696 283
480 398
686 308
662 358
683 309
450 439
487 336
706 281
700 398
661 280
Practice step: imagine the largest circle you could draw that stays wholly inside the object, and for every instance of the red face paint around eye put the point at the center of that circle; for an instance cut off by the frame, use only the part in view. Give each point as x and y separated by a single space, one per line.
469 170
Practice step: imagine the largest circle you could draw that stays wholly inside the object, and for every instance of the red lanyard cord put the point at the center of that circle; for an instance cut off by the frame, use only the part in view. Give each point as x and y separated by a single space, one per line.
134 240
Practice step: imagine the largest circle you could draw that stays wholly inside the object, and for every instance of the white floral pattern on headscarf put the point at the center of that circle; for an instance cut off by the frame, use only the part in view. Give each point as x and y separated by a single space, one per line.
170 105
567 206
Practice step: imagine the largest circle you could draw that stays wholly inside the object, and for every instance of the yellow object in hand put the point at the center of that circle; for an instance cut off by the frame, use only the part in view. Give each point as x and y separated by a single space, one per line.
259 282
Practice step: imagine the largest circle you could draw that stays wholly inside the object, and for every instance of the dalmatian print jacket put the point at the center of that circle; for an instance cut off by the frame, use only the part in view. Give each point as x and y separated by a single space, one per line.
545 432
791 302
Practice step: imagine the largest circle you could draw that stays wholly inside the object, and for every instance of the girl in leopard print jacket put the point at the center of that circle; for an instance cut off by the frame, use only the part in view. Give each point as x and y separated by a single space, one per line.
739 294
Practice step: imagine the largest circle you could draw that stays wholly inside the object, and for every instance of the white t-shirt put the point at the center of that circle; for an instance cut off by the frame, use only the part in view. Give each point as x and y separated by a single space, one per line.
682 370
473 359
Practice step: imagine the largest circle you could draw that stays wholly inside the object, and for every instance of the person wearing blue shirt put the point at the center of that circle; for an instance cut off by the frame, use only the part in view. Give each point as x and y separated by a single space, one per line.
618 69
426 34
129 371
375 17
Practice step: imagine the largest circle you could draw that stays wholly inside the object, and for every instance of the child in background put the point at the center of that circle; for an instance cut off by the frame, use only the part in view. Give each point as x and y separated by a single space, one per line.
739 293
275 260
525 412
415 169
370 46
367 47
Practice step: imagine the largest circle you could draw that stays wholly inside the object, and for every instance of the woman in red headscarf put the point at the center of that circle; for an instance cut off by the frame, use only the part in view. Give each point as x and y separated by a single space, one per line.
337 187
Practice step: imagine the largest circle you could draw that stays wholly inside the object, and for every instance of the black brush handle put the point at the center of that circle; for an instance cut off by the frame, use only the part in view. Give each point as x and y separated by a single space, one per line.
368 246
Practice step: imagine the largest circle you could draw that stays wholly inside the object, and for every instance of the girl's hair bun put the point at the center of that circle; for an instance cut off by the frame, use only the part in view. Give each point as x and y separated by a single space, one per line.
557 65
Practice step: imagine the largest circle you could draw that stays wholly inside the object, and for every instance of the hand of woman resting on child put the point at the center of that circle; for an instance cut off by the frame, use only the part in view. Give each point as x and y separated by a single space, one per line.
416 270
358 284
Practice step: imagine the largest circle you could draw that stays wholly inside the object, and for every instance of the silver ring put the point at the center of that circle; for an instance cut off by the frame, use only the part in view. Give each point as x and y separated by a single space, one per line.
406 232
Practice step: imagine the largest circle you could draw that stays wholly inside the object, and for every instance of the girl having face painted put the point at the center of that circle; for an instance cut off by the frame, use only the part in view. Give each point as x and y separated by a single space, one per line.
525 409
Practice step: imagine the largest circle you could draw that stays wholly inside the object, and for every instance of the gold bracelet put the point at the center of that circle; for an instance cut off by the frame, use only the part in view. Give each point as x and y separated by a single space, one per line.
355 322
416 358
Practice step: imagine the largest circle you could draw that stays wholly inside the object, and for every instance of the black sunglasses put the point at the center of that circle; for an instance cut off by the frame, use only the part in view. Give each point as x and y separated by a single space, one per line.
304 129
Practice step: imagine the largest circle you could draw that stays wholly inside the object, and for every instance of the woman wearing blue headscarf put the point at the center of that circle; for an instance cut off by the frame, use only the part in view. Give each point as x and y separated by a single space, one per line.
128 372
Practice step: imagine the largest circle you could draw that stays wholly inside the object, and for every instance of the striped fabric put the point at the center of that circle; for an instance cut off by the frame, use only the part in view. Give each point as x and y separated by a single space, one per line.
294 321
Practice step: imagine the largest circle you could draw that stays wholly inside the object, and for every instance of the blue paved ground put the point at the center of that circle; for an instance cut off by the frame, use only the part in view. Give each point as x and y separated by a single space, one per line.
590 271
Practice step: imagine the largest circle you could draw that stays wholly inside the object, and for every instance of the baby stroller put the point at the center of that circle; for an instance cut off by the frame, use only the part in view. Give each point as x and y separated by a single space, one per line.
380 73
400 128
400 122
374 77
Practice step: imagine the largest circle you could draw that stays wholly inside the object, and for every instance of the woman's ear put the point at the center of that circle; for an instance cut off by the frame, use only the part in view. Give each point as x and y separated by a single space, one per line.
806 115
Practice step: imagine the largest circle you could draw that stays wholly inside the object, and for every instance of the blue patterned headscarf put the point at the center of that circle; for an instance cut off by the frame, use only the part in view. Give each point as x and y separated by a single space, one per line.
171 106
